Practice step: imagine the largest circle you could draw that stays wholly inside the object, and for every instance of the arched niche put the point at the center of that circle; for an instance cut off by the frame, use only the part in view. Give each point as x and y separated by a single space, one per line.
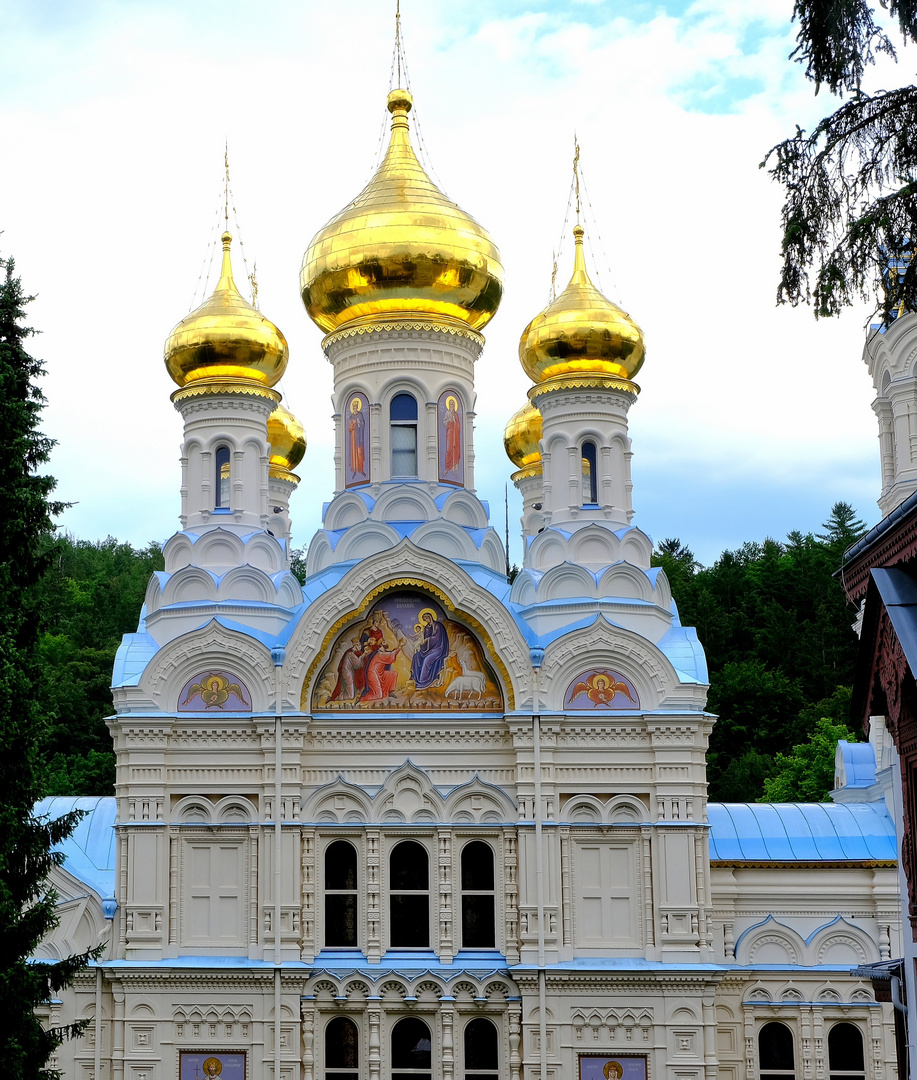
406 652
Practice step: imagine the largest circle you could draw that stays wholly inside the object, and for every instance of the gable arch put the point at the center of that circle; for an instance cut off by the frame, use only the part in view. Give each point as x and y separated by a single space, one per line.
479 802
603 645
565 581
408 566
180 660
446 539
365 540
462 508
770 942
345 511
583 809
338 802
402 502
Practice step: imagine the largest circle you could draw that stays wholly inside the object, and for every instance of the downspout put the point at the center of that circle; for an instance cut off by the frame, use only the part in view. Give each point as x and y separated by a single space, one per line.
277 655
98 1025
537 655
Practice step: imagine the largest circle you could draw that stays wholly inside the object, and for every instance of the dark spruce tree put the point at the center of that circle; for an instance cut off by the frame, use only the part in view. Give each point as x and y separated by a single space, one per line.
850 209
27 904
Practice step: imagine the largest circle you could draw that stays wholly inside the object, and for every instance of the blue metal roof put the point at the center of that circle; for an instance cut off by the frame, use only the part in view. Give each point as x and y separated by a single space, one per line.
858 762
89 851
801 832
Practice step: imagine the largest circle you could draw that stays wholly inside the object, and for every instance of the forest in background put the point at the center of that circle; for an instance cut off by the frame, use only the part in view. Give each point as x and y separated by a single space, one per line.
771 616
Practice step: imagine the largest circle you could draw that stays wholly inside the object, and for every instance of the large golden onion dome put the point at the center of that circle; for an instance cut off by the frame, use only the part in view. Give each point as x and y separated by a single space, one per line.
288 442
581 333
226 340
401 250
522 437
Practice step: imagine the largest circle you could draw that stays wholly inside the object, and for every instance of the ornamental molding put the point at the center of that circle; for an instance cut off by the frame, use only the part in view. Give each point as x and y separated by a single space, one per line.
412 329
197 392
572 383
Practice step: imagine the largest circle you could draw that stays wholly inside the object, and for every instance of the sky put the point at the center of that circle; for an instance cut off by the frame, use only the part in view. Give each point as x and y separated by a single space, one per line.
752 420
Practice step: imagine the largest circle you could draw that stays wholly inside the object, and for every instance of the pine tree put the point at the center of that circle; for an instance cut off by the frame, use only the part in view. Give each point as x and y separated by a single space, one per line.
27 904
850 208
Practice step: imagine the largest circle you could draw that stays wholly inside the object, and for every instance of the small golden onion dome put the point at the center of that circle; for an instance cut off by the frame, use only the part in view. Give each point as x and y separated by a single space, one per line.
581 333
522 437
288 441
226 339
401 250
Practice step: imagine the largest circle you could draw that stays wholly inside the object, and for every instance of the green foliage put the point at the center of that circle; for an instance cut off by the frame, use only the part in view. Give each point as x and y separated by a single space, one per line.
850 192
806 773
776 629
298 564
27 905
90 594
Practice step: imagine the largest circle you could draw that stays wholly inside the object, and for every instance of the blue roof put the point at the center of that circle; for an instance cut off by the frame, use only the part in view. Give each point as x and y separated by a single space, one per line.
89 851
801 832
859 763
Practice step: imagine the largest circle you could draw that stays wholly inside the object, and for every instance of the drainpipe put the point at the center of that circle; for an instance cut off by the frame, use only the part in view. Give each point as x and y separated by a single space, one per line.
277 655
537 655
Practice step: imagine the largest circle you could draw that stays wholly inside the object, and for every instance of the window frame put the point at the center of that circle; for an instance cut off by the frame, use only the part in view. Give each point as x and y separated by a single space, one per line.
590 498
340 1072
329 892
392 892
773 1073
404 423
463 892
219 461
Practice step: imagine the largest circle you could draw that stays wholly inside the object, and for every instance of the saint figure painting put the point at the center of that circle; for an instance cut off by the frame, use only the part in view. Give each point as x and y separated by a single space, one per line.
451 418
356 434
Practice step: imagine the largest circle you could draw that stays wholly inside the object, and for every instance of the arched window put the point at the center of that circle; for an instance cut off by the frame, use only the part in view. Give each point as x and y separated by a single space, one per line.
412 1057
775 1052
590 476
221 498
341 895
342 1050
409 896
478 929
845 1053
403 432
482 1055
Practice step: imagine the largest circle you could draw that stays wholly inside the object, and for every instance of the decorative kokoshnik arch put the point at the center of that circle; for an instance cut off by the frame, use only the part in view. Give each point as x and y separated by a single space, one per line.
403 650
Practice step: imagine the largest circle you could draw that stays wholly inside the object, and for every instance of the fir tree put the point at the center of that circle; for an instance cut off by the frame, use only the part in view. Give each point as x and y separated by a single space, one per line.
850 208
27 904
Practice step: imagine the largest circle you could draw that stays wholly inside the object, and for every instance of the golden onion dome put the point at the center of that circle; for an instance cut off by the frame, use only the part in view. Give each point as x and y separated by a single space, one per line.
226 340
401 250
522 437
581 333
288 441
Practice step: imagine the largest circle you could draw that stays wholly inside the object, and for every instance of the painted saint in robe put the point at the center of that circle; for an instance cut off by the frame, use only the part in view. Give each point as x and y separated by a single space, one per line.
355 441
431 651
451 420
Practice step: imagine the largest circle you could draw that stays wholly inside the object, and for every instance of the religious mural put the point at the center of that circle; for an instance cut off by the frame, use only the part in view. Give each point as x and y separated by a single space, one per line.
217 691
451 423
356 440
407 654
210 1065
606 1067
599 688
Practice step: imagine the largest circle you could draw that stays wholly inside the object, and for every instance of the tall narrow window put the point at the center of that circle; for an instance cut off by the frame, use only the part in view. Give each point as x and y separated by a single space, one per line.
775 1052
409 896
341 895
403 428
590 488
481 1051
478 931
342 1050
845 1053
221 480
412 1050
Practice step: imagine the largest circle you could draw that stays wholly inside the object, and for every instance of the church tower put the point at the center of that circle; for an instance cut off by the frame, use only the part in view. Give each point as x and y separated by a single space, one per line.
407 820
402 281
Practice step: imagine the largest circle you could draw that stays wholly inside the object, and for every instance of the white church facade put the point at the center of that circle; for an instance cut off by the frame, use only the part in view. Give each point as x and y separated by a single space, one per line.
409 820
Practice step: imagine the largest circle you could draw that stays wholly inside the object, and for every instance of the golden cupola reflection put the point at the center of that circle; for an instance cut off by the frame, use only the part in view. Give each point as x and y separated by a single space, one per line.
401 250
226 341
522 437
581 334
288 443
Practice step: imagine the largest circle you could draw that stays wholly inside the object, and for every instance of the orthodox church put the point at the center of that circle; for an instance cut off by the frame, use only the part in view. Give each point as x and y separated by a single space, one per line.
410 820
